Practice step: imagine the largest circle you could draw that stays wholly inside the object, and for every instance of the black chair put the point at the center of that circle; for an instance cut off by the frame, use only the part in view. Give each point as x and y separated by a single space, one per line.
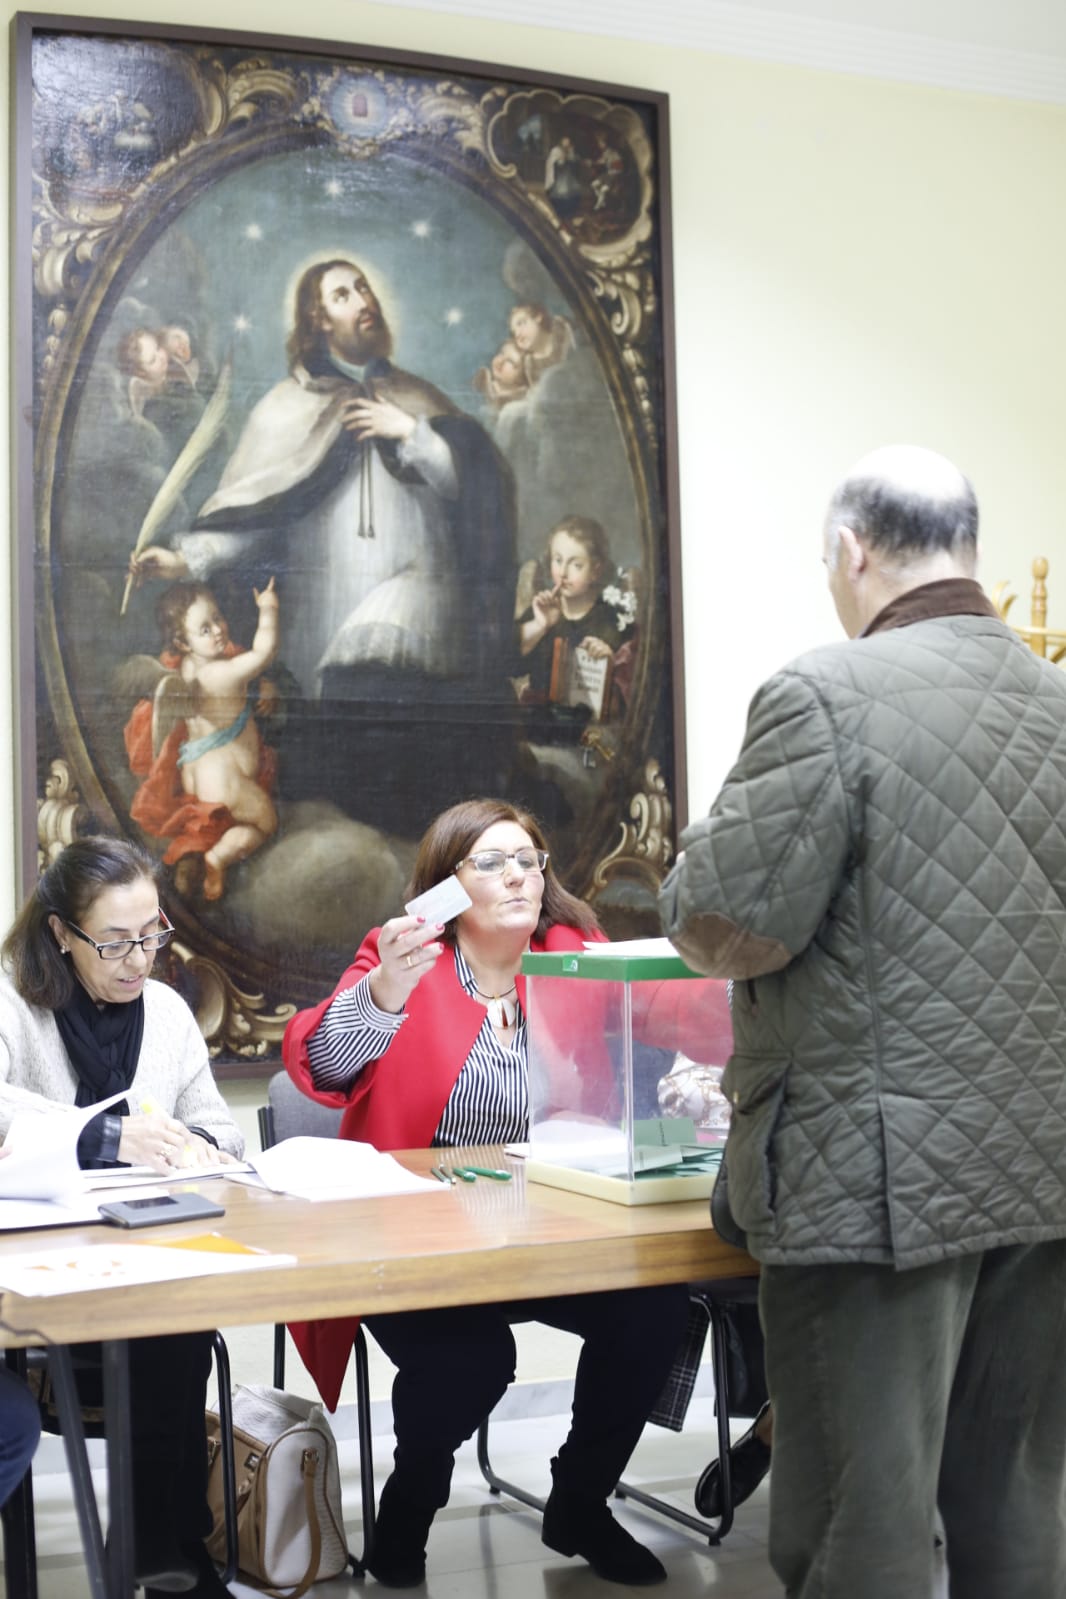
57 1372
290 1114
714 1299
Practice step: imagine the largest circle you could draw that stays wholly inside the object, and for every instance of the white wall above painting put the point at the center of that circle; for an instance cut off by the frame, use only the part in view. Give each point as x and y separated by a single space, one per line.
1017 50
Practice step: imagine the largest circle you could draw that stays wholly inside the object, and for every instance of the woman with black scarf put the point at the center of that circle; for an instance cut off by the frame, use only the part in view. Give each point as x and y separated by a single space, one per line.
79 1022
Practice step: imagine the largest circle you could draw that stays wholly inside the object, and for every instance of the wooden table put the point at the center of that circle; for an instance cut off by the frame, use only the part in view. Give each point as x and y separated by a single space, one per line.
474 1243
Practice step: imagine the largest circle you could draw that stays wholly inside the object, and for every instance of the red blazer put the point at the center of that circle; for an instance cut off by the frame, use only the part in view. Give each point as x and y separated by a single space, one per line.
396 1101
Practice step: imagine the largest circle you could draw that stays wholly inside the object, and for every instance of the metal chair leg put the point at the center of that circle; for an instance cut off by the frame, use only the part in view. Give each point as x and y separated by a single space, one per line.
713 1531
68 1407
366 1451
20 1541
229 1456
499 1485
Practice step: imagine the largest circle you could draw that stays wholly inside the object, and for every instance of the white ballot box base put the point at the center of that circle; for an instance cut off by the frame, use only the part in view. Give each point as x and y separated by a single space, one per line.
643 1191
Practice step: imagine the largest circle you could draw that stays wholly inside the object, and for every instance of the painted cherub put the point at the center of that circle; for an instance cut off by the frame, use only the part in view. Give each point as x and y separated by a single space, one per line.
144 361
182 365
542 340
573 608
208 781
504 378
580 610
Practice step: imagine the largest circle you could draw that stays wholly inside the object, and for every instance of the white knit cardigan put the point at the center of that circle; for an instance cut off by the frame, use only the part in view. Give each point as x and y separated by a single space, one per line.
173 1071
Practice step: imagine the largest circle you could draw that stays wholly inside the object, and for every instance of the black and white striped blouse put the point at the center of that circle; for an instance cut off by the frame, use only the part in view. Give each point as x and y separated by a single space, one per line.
488 1104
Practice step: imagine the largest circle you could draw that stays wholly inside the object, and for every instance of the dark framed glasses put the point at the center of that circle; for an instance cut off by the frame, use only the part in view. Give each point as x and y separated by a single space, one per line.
116 949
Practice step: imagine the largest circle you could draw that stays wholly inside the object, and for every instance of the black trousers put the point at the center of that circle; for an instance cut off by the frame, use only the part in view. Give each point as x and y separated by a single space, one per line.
454 1365
168 1395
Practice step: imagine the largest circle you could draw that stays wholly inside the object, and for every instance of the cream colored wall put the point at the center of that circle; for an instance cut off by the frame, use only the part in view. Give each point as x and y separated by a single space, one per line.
857 262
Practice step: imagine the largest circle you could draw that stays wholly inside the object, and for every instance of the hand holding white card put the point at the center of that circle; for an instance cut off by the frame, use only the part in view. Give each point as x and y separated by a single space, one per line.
441 902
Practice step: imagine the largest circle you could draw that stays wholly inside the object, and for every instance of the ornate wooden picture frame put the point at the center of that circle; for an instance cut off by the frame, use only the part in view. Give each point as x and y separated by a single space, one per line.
346 478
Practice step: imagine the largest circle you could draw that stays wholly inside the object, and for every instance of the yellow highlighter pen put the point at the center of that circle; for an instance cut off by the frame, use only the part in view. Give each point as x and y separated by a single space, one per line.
150 1108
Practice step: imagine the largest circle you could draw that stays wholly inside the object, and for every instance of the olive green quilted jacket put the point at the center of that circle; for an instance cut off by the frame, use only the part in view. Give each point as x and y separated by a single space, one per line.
884 872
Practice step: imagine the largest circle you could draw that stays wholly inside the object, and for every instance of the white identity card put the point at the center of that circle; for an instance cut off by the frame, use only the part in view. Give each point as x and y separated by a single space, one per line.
441 902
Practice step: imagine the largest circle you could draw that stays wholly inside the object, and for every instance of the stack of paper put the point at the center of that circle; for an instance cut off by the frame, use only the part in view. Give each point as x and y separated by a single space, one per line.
42 1151
336 1168
41 1183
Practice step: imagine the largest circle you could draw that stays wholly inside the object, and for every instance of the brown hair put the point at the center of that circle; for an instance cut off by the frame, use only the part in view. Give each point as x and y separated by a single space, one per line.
454 833
172 607
306 339
533 308
591 535
68 889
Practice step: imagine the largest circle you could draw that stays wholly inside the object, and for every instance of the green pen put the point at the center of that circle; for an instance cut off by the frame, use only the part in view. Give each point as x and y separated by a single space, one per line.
488 1171
465 1174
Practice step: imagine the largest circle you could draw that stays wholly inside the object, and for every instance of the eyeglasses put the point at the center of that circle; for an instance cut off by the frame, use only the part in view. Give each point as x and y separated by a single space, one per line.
491 862
117 949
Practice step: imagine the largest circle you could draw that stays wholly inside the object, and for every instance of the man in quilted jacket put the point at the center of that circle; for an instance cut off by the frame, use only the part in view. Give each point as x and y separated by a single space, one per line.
884 875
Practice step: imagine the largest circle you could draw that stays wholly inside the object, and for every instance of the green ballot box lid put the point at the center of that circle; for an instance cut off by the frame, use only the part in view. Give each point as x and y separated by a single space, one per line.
627 962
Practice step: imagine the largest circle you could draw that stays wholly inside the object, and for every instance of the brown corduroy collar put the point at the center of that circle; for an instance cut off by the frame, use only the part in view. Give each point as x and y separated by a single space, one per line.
949 596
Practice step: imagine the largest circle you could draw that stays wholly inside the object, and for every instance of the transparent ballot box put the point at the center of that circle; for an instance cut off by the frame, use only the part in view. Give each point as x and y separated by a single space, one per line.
604 1027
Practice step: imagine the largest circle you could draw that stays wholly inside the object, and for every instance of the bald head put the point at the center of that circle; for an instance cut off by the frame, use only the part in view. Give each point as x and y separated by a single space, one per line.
901 518
905 504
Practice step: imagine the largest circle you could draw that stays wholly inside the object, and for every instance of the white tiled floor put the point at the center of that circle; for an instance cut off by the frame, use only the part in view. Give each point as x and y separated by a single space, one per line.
486 1548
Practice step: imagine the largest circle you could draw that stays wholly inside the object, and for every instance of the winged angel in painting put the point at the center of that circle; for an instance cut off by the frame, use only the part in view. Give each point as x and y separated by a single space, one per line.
206 772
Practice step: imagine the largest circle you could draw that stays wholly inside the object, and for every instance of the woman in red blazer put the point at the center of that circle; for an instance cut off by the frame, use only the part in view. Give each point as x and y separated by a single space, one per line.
424 1043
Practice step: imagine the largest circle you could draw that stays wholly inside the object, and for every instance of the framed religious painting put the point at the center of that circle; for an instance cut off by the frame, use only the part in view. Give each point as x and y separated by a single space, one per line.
346 475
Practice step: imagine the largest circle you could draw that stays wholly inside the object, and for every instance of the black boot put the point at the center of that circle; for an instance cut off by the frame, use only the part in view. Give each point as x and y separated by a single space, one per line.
159 1556
159 1561
207 1583
575 1524
397 1555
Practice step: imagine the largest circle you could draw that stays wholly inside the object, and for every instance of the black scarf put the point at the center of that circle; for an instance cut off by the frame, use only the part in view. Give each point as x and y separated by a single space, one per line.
103 1043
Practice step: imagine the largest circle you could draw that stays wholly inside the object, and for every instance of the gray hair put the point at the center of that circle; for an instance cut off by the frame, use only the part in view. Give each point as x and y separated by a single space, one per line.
903 501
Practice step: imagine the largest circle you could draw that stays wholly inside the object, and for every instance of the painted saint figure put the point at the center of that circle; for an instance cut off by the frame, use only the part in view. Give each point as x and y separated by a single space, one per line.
390 513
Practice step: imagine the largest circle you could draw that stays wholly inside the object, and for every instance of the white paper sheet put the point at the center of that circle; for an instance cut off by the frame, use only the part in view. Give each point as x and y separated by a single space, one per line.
632 948
104 1265
43 1146
131 1177
336 1168
18 1214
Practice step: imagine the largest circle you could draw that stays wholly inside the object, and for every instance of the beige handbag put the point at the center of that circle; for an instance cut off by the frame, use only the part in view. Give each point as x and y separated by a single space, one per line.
289 1520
